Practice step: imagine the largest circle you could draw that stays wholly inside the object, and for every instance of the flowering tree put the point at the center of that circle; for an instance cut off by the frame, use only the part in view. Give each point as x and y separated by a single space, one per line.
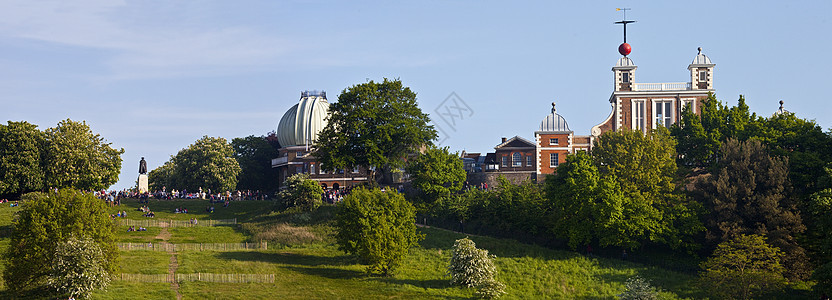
78 268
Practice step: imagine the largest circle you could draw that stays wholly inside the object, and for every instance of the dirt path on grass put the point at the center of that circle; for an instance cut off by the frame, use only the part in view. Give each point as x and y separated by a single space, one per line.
164 235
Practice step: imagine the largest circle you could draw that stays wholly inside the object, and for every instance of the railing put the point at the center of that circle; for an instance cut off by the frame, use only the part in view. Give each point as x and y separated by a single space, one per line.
167 247
175 223
280 161
669 86
205 277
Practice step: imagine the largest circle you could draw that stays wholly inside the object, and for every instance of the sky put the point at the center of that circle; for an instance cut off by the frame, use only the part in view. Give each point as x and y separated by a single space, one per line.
152 77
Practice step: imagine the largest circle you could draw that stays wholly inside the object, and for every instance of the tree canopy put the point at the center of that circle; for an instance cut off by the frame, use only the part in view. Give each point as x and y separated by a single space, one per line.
378 227
208 163
21 158
373 124
748 194
254 154
742 267
436 174
47 220
79 159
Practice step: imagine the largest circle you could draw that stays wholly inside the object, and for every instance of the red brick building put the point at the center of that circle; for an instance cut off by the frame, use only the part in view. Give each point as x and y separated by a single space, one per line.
554 140
646 106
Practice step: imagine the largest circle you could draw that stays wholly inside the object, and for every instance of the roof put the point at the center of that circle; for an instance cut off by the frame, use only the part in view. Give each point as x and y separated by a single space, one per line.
701 60
625 62
301 124
516 142
554 122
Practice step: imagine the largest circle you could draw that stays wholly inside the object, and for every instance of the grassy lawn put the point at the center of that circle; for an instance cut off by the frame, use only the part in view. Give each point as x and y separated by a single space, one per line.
307 264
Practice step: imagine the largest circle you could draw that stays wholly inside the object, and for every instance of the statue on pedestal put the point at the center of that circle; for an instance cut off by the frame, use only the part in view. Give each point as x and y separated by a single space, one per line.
142 166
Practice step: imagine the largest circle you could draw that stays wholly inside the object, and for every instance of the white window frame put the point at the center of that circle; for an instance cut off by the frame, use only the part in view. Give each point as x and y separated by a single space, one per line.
655 115
554 160
639 119
554 141
691 101
504 161
625 77
516 160
703 78
311 168
529 161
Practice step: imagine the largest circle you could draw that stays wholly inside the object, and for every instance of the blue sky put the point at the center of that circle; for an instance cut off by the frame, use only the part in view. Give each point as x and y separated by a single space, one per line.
154 76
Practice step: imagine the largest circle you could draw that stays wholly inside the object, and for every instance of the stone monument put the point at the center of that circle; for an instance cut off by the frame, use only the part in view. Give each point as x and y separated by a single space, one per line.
143 176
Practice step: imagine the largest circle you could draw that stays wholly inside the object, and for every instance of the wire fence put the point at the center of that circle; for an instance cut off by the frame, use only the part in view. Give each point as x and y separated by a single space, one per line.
168 247
175 223
205 277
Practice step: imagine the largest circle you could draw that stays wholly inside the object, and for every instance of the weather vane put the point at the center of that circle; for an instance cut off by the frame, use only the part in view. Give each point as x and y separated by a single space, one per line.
625 48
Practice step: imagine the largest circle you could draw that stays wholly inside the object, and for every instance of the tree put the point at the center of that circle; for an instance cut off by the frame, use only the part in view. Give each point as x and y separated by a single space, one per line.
47 220
254 154
78 159
21 158
743 266
302 192
643 165
637 288
373 125
474 268
378 227
208 163
437 174
78 268
692 148
162 177
747 194
586 207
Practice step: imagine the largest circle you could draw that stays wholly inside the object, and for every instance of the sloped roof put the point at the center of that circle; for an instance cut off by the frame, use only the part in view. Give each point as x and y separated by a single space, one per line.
515 142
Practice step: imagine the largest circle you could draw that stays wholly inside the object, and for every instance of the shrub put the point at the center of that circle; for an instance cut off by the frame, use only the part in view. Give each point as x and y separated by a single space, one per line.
47 220
302 192
637 288
743 266
472 267
378 227
78 268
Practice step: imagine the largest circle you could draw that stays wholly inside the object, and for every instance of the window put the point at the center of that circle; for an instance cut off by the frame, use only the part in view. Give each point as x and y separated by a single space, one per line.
553 141
516 160
553 160
625 77
299 154
530 161
703 76
689 104
311 168
638 115
505 161
663 113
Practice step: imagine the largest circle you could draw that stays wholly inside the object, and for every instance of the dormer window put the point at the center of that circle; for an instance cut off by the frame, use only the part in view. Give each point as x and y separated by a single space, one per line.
703 76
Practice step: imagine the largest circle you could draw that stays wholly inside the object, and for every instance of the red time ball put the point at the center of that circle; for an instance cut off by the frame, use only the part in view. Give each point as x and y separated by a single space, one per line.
625 49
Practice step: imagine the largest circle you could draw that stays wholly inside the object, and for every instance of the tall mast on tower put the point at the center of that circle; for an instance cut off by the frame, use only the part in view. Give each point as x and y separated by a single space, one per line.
624 48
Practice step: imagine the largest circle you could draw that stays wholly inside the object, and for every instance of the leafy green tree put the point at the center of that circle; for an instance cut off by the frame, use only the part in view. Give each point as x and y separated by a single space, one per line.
637 288
474 268
378 227
76 158
437 174
373 125
208 163
302 192
742 267
585 207
21 158
254 154
47 220
692 148
747 194
162 177
78 268
643 165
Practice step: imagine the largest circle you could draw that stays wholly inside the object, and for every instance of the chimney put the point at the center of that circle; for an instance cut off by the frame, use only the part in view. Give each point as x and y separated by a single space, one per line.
504 139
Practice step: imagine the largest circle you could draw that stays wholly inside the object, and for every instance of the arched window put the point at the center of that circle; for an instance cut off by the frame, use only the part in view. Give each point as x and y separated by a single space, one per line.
516 160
